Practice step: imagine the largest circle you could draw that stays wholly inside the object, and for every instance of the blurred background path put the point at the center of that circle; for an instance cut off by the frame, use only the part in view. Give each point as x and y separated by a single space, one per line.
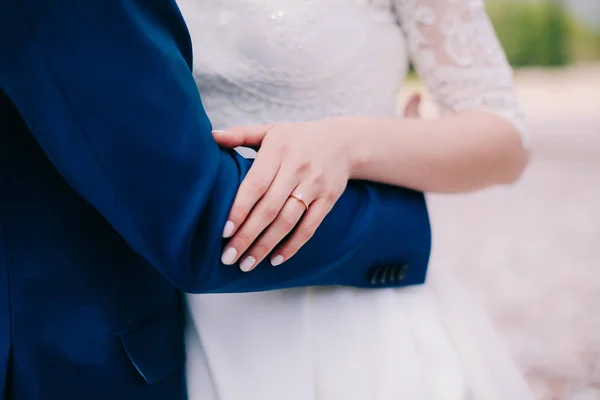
531 253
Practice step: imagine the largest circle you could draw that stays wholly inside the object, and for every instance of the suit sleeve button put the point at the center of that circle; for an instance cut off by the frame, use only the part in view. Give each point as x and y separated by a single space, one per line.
375 276
384 276
401 272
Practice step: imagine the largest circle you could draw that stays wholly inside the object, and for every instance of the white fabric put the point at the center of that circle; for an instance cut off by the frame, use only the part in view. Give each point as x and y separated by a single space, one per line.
260 61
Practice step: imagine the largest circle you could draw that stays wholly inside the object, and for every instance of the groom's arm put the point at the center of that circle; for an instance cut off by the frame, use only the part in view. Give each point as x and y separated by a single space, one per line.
106 89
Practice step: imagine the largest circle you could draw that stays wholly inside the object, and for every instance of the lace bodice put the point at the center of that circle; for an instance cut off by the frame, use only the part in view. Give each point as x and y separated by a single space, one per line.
291 60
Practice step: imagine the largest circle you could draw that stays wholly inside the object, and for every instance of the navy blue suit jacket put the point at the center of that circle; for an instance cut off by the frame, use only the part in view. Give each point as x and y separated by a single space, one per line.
114 196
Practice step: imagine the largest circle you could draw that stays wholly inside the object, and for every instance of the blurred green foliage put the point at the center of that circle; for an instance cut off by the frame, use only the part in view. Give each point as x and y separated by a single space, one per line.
542 33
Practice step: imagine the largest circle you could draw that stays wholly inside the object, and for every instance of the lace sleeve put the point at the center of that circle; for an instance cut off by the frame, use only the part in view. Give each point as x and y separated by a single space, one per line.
455 51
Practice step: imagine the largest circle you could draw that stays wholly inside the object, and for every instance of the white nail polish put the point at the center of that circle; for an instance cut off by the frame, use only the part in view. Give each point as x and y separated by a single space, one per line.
247 264
277 260
228 230
228 256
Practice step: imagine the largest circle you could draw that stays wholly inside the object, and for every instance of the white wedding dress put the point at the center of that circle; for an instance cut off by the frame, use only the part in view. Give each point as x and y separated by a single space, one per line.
260 61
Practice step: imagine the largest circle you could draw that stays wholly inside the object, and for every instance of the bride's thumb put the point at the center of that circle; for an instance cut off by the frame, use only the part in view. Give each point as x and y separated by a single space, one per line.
247 136
411 110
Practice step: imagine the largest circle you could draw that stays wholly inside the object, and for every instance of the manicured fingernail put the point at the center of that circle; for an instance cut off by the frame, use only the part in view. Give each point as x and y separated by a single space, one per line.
228 256
218 131
277 260
228 230
247 264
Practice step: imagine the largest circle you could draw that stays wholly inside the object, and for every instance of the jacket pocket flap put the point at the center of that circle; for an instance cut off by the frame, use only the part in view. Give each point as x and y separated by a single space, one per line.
156 348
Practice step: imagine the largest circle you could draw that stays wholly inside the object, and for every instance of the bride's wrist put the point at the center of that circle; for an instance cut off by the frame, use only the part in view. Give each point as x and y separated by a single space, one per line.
355 134
373 142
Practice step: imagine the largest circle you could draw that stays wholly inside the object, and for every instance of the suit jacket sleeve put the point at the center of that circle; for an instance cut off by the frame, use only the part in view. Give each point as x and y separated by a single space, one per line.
106 89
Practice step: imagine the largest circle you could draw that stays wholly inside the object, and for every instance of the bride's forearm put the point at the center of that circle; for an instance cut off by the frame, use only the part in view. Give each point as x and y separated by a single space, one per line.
457 153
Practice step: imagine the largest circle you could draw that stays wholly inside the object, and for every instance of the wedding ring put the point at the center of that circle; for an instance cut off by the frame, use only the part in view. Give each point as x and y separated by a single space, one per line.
300 198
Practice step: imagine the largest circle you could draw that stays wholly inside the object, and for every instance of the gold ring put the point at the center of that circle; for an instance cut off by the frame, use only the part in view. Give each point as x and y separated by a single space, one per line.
300 198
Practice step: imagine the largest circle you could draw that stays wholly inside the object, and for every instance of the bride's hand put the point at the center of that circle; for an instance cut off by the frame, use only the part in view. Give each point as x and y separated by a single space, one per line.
298 175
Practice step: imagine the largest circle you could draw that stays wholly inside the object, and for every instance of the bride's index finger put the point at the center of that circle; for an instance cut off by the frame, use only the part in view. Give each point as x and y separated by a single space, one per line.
253 187
248 136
